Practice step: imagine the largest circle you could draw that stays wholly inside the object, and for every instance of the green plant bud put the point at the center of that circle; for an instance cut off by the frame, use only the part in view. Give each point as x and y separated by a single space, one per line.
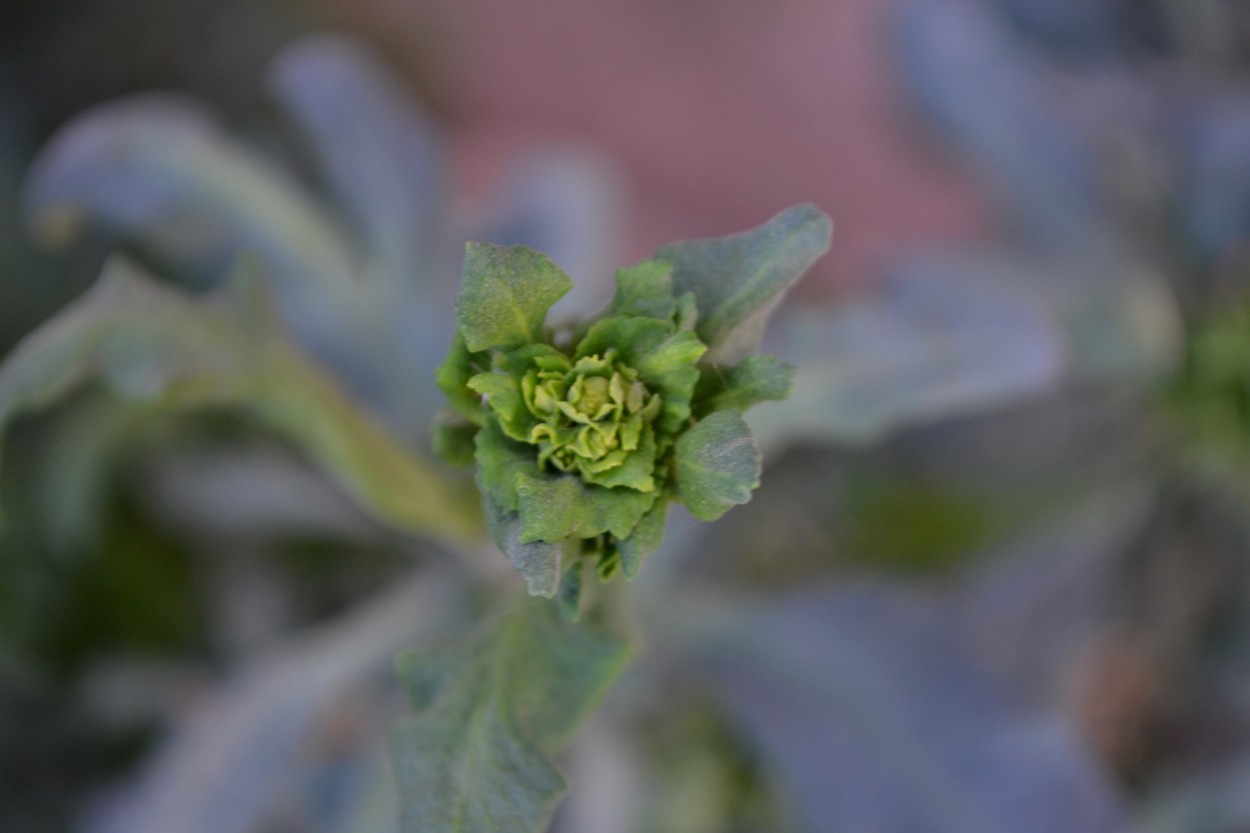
580 447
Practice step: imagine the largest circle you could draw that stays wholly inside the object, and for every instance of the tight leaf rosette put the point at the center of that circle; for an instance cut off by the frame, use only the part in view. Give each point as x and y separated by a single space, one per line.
583 435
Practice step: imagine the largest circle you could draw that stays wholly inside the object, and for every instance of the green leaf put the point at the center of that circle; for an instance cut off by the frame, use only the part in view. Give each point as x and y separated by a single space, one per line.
637 472
505 294
500 461
474 757
553 509
671 370
717 465
453 380
632 337
644 540
538 562
453 439
756 379
503 395
645 289
739 279
152 343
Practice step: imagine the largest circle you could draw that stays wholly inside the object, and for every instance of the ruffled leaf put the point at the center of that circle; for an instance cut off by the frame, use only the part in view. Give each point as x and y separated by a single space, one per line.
555 509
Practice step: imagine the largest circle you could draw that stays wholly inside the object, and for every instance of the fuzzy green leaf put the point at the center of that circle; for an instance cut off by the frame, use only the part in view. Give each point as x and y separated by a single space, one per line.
499 462
756 379
538 562
645 289
739 279
553 509
151 343
644 540
474 757
717 465
505 294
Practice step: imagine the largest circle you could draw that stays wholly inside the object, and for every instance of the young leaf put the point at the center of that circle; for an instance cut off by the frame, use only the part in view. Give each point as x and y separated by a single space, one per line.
739 279
505 294
453 377
717 465
474 757
756 379
150 342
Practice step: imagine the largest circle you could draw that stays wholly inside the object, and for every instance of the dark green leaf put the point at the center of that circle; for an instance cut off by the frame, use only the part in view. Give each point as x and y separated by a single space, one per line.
756 379
454 439
473 759
739 279
644 540
453 380
569 596
717 465
505 294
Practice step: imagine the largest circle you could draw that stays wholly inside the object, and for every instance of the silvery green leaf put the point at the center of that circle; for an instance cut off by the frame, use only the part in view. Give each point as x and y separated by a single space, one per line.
154 344
505 294
864 704
716 465
738 280
995 103
474 759
538 562
379 153
924 346
157 168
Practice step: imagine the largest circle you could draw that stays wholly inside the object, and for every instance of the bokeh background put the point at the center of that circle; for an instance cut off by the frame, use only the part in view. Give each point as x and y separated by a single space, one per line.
998 575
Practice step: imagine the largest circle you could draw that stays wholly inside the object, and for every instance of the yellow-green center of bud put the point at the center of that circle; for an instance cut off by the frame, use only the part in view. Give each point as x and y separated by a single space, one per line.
591 417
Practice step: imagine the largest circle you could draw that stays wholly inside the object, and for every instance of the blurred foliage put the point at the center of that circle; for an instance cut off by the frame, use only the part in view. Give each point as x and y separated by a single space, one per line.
984 585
